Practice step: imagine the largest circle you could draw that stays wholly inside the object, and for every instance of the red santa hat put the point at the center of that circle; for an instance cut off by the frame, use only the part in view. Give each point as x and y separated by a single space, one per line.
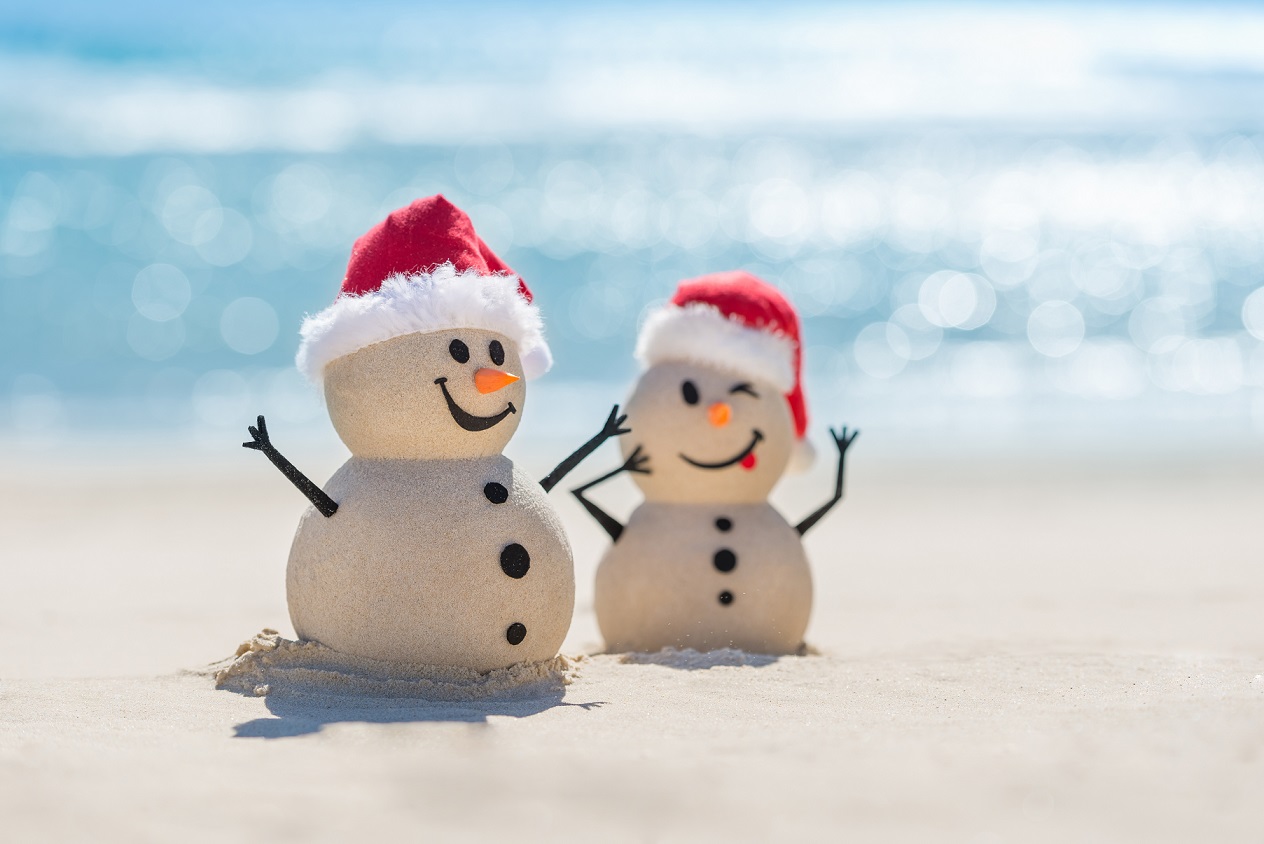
735 322
423 269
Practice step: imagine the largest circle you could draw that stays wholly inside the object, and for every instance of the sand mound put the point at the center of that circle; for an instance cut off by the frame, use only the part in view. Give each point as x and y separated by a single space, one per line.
270 664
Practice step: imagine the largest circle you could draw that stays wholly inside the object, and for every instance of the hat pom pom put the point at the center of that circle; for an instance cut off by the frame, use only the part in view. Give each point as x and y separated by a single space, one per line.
802 456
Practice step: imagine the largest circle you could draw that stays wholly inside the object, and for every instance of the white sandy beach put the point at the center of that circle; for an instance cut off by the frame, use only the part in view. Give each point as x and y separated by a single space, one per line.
1034 650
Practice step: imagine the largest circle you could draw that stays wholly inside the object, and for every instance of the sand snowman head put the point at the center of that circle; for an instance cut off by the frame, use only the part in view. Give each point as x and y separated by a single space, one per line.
425 352
720 409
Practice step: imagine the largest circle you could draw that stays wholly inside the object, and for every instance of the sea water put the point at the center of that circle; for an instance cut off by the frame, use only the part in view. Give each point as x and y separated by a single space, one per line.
1037 226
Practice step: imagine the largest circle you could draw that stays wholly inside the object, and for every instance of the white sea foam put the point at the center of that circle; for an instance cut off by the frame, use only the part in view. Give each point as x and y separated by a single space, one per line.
803 69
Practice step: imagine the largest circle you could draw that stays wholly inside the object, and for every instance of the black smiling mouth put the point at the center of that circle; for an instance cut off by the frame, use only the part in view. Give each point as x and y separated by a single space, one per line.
469 421
757 435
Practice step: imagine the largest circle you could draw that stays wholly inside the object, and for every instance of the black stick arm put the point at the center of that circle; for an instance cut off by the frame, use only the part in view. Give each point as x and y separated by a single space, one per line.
613 428
635 463
843 441
608 522
322 502
260 442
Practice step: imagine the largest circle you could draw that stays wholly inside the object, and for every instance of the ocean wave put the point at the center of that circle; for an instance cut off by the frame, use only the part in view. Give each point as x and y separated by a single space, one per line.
689 69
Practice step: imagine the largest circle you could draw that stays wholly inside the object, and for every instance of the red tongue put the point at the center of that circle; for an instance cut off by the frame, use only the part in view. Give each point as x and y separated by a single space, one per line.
748 462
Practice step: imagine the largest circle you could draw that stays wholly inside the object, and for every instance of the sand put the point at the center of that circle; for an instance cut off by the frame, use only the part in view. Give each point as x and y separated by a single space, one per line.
270 664
1034 650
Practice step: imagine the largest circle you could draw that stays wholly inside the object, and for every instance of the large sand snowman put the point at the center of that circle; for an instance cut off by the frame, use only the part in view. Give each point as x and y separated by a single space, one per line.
706 562
429 546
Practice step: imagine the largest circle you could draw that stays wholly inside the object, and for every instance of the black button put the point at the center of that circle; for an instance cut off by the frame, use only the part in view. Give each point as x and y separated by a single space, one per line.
723 524
516 633
514 560
726 597
496 493
725 560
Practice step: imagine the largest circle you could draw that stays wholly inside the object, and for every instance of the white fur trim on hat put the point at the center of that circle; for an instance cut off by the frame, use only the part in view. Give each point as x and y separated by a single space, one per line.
700 333
420 303
802 456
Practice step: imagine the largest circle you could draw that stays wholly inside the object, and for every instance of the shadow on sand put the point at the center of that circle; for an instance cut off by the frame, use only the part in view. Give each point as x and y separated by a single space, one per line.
306 685
306 712
687 659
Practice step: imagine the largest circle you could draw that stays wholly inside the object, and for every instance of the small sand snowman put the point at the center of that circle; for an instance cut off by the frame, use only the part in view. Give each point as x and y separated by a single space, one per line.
429 546
705 562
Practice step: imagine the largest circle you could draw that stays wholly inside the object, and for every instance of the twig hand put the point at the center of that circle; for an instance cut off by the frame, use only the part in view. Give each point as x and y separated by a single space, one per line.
843 440
636 462
259 437
614 424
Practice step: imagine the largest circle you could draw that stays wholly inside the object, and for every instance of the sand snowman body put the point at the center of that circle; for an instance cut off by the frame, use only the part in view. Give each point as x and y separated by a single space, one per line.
705 576
422 565
428 546
706 562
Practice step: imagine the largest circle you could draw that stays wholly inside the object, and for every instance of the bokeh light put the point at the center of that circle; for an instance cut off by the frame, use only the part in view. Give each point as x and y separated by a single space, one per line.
1055 328
161 292
1253 314
987 256
248 325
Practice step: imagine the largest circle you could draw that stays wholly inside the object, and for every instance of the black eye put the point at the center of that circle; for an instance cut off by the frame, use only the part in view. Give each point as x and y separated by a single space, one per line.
744 388
690 392
497 352
459 351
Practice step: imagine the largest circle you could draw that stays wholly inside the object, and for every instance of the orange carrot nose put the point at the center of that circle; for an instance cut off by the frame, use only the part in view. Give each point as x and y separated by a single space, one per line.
719 414
491 380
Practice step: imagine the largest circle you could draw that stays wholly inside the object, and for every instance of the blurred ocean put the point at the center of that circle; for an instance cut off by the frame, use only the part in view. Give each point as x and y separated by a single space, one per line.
1027 226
